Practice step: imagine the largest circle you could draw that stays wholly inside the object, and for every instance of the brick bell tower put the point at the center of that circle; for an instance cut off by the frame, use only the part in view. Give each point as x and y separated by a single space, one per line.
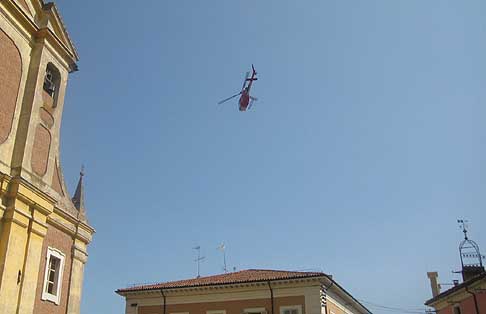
44 233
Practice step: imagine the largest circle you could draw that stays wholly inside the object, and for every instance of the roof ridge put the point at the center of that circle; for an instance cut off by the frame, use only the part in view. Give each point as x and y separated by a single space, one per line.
286 271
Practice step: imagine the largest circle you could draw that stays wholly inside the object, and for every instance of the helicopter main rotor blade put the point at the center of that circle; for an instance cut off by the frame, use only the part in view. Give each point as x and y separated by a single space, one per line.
229 98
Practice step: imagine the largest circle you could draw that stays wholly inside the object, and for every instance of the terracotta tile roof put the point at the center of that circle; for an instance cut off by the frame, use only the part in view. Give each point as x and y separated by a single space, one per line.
467 283
244 276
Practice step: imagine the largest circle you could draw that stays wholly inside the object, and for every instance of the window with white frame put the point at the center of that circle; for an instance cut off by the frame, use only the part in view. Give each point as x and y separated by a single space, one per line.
53 275
255 310
216 312
293 309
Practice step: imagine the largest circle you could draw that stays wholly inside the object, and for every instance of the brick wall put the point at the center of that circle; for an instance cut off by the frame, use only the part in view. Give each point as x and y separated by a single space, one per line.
467 305
55 238
10 74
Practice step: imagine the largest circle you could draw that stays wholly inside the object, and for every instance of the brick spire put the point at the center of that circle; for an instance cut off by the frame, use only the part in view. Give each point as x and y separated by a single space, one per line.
78 198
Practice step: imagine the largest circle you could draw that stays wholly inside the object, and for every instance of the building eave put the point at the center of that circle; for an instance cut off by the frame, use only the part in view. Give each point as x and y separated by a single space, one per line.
455 290
182 289
348 296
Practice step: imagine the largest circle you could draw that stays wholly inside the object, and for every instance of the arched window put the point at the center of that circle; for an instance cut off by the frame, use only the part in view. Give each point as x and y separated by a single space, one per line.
52 79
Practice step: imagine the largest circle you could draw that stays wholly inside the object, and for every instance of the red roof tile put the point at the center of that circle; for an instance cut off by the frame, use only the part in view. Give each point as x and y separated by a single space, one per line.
466 283
244 276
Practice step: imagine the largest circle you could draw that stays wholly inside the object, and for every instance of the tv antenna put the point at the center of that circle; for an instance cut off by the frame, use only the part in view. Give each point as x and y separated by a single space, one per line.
222 248
198 259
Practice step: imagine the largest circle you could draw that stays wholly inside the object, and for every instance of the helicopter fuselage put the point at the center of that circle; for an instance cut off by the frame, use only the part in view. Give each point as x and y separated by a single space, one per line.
244 100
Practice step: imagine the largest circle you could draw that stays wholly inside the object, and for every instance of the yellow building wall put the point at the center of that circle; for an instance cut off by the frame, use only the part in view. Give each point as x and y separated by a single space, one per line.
33 207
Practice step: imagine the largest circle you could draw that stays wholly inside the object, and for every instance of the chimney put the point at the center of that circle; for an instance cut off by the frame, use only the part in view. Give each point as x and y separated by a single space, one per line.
433 283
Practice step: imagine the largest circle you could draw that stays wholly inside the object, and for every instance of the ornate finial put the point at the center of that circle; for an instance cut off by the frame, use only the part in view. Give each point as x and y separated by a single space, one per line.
463 225
471 258
78 197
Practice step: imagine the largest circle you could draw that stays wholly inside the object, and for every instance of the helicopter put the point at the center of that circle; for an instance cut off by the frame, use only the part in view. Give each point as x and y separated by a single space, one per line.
246 100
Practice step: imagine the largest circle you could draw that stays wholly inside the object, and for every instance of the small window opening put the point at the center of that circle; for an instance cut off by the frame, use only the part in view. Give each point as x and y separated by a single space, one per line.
51 82
49 85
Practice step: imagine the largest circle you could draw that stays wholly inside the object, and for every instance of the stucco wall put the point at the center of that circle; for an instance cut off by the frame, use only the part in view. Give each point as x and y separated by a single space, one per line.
333 309
231 307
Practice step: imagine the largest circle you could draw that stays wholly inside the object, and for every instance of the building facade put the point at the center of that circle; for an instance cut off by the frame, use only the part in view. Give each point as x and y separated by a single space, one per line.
44 232
249 292
468 297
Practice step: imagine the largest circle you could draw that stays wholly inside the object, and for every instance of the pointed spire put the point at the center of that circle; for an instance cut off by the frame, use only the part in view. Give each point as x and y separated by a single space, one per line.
78 198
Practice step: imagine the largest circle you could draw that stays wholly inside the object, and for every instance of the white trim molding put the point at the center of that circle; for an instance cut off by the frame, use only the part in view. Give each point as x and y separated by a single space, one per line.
216 312
254 310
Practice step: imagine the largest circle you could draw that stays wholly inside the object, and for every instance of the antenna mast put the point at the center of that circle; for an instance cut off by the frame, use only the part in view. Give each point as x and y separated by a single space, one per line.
198 259
222 248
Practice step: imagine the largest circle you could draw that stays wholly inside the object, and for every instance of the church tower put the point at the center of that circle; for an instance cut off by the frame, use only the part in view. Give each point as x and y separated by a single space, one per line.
44 233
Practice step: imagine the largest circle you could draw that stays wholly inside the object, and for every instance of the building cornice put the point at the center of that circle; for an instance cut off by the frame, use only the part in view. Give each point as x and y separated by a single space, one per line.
29 194
21 189
181 291
20 17
33 32
71 225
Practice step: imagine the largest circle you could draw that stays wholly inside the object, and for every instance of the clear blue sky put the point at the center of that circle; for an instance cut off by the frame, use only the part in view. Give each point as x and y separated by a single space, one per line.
366 144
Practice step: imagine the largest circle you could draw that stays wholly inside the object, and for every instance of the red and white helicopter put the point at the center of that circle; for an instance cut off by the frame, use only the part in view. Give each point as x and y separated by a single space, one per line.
246 100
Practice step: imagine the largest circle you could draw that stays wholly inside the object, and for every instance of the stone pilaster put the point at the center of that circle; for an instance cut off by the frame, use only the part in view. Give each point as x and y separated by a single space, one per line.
22 234
79 259
37 232
13 240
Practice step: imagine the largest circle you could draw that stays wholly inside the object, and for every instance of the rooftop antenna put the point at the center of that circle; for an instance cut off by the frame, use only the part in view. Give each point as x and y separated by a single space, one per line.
198 259
222 248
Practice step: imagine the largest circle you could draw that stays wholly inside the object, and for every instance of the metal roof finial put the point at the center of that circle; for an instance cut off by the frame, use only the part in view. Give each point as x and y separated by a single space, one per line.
463 225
